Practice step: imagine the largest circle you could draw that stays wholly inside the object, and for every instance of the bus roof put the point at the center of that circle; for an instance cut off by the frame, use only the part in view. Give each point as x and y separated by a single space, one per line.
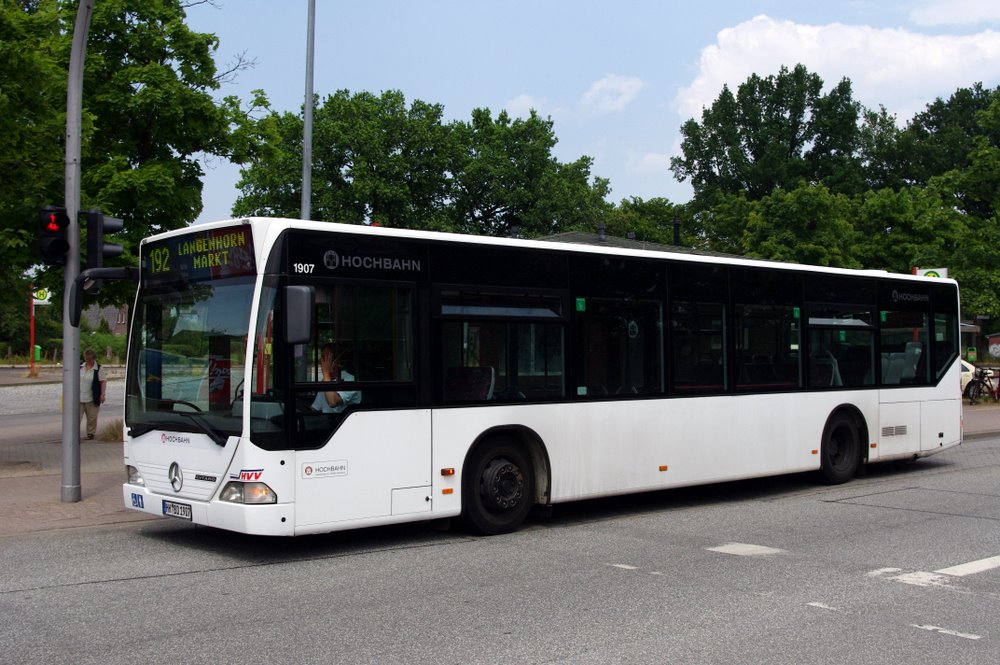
575 241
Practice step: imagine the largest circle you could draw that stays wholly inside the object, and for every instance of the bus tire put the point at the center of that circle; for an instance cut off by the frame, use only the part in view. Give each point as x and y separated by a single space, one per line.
840 451
498 487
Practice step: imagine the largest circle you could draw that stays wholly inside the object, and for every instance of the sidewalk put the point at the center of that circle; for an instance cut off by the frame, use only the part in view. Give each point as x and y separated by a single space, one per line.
31 487
31 478
18 375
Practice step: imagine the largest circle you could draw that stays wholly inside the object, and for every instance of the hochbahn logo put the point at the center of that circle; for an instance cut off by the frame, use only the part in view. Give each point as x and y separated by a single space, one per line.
333 260
903 296
324 469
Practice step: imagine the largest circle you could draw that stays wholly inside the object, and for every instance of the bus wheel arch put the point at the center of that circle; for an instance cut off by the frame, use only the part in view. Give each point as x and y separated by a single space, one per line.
843 449
505 474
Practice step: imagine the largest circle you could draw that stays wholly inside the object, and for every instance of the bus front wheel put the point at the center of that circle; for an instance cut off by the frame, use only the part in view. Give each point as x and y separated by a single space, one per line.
840 452
498 487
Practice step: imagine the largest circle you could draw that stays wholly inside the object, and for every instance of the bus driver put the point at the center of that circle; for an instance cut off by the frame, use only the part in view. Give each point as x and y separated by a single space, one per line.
334 401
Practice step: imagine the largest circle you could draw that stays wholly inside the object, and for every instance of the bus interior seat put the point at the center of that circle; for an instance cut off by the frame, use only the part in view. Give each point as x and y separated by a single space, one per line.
824 370
758 370
469 384
913 352
893 370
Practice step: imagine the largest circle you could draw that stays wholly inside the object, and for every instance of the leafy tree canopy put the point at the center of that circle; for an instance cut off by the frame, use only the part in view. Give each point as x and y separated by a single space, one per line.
377 160
148 118
776 131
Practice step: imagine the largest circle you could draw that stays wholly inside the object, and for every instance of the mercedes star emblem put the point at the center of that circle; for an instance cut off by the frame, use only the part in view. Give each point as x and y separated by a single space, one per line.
176 477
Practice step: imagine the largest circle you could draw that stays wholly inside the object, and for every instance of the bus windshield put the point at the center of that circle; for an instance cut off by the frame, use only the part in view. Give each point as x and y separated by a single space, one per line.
187 357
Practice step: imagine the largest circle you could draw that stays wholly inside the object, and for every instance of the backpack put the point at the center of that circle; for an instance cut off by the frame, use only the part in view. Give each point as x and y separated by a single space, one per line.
95 386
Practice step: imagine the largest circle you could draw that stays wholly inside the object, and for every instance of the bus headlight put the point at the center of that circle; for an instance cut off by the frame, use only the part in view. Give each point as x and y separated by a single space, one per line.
238 492
134 477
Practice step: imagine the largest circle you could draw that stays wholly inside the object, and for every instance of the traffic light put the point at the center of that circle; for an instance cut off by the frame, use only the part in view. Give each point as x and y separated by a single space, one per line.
53 239
97 227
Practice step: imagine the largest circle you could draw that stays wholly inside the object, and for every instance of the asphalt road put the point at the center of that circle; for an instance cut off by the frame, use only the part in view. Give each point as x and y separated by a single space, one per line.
899 566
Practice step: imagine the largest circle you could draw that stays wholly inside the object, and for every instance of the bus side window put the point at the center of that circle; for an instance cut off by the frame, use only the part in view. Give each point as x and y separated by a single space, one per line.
698 346
621 349
904 345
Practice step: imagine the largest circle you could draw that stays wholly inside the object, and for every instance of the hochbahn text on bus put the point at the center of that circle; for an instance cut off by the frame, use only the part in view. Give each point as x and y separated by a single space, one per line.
290 377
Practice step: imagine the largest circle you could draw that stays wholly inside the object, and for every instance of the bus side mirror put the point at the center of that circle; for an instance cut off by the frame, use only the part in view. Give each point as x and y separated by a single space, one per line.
299 302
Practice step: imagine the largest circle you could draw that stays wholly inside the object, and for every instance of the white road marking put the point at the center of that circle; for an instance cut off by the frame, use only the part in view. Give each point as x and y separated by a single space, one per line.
623 566
920 578
947 631
916 577
972 567
884 571
743 549
824 606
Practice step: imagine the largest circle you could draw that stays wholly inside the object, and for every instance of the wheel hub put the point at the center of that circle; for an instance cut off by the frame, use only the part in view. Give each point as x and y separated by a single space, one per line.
502 485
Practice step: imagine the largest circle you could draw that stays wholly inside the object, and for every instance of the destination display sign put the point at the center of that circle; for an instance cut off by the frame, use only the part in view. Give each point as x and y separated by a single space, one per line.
201 255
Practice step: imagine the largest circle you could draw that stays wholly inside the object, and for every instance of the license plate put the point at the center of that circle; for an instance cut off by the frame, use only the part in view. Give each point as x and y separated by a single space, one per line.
173 509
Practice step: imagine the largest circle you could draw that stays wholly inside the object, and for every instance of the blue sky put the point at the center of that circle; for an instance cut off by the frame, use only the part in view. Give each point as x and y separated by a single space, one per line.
618 77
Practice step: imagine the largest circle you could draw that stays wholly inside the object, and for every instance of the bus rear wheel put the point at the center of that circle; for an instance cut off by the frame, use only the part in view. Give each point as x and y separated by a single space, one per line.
840 452
498 487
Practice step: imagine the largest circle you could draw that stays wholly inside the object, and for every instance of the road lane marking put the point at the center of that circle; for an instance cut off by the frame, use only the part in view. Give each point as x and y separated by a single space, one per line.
884 571
916 578
947 631
972 567
920 578
824 606
623 566
744 549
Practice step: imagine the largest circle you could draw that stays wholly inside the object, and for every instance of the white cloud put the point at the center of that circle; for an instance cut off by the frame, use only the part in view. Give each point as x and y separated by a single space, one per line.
899 69
956 12
522 105
611 93
650 162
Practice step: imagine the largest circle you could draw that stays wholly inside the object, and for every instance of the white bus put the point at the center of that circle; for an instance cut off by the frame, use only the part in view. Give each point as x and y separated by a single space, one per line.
479 377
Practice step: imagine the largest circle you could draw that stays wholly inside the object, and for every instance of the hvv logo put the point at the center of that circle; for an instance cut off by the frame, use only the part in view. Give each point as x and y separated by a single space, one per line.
247 474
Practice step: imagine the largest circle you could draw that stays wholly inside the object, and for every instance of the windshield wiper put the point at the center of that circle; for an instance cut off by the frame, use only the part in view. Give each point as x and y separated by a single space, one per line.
217 437
200 423
144 428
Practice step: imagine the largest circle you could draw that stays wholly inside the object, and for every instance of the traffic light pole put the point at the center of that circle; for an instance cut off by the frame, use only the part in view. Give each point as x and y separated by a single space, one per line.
70 490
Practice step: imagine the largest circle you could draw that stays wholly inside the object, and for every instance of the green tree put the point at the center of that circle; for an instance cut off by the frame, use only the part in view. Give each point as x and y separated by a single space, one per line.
962 137
506 179
148 118
878 151
775 132
940 138
720 221
907 228
32 123
649 221
149 82
375 159
809 224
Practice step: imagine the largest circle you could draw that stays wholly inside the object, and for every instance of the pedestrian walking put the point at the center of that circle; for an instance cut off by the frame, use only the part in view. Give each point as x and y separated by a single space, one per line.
93 388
